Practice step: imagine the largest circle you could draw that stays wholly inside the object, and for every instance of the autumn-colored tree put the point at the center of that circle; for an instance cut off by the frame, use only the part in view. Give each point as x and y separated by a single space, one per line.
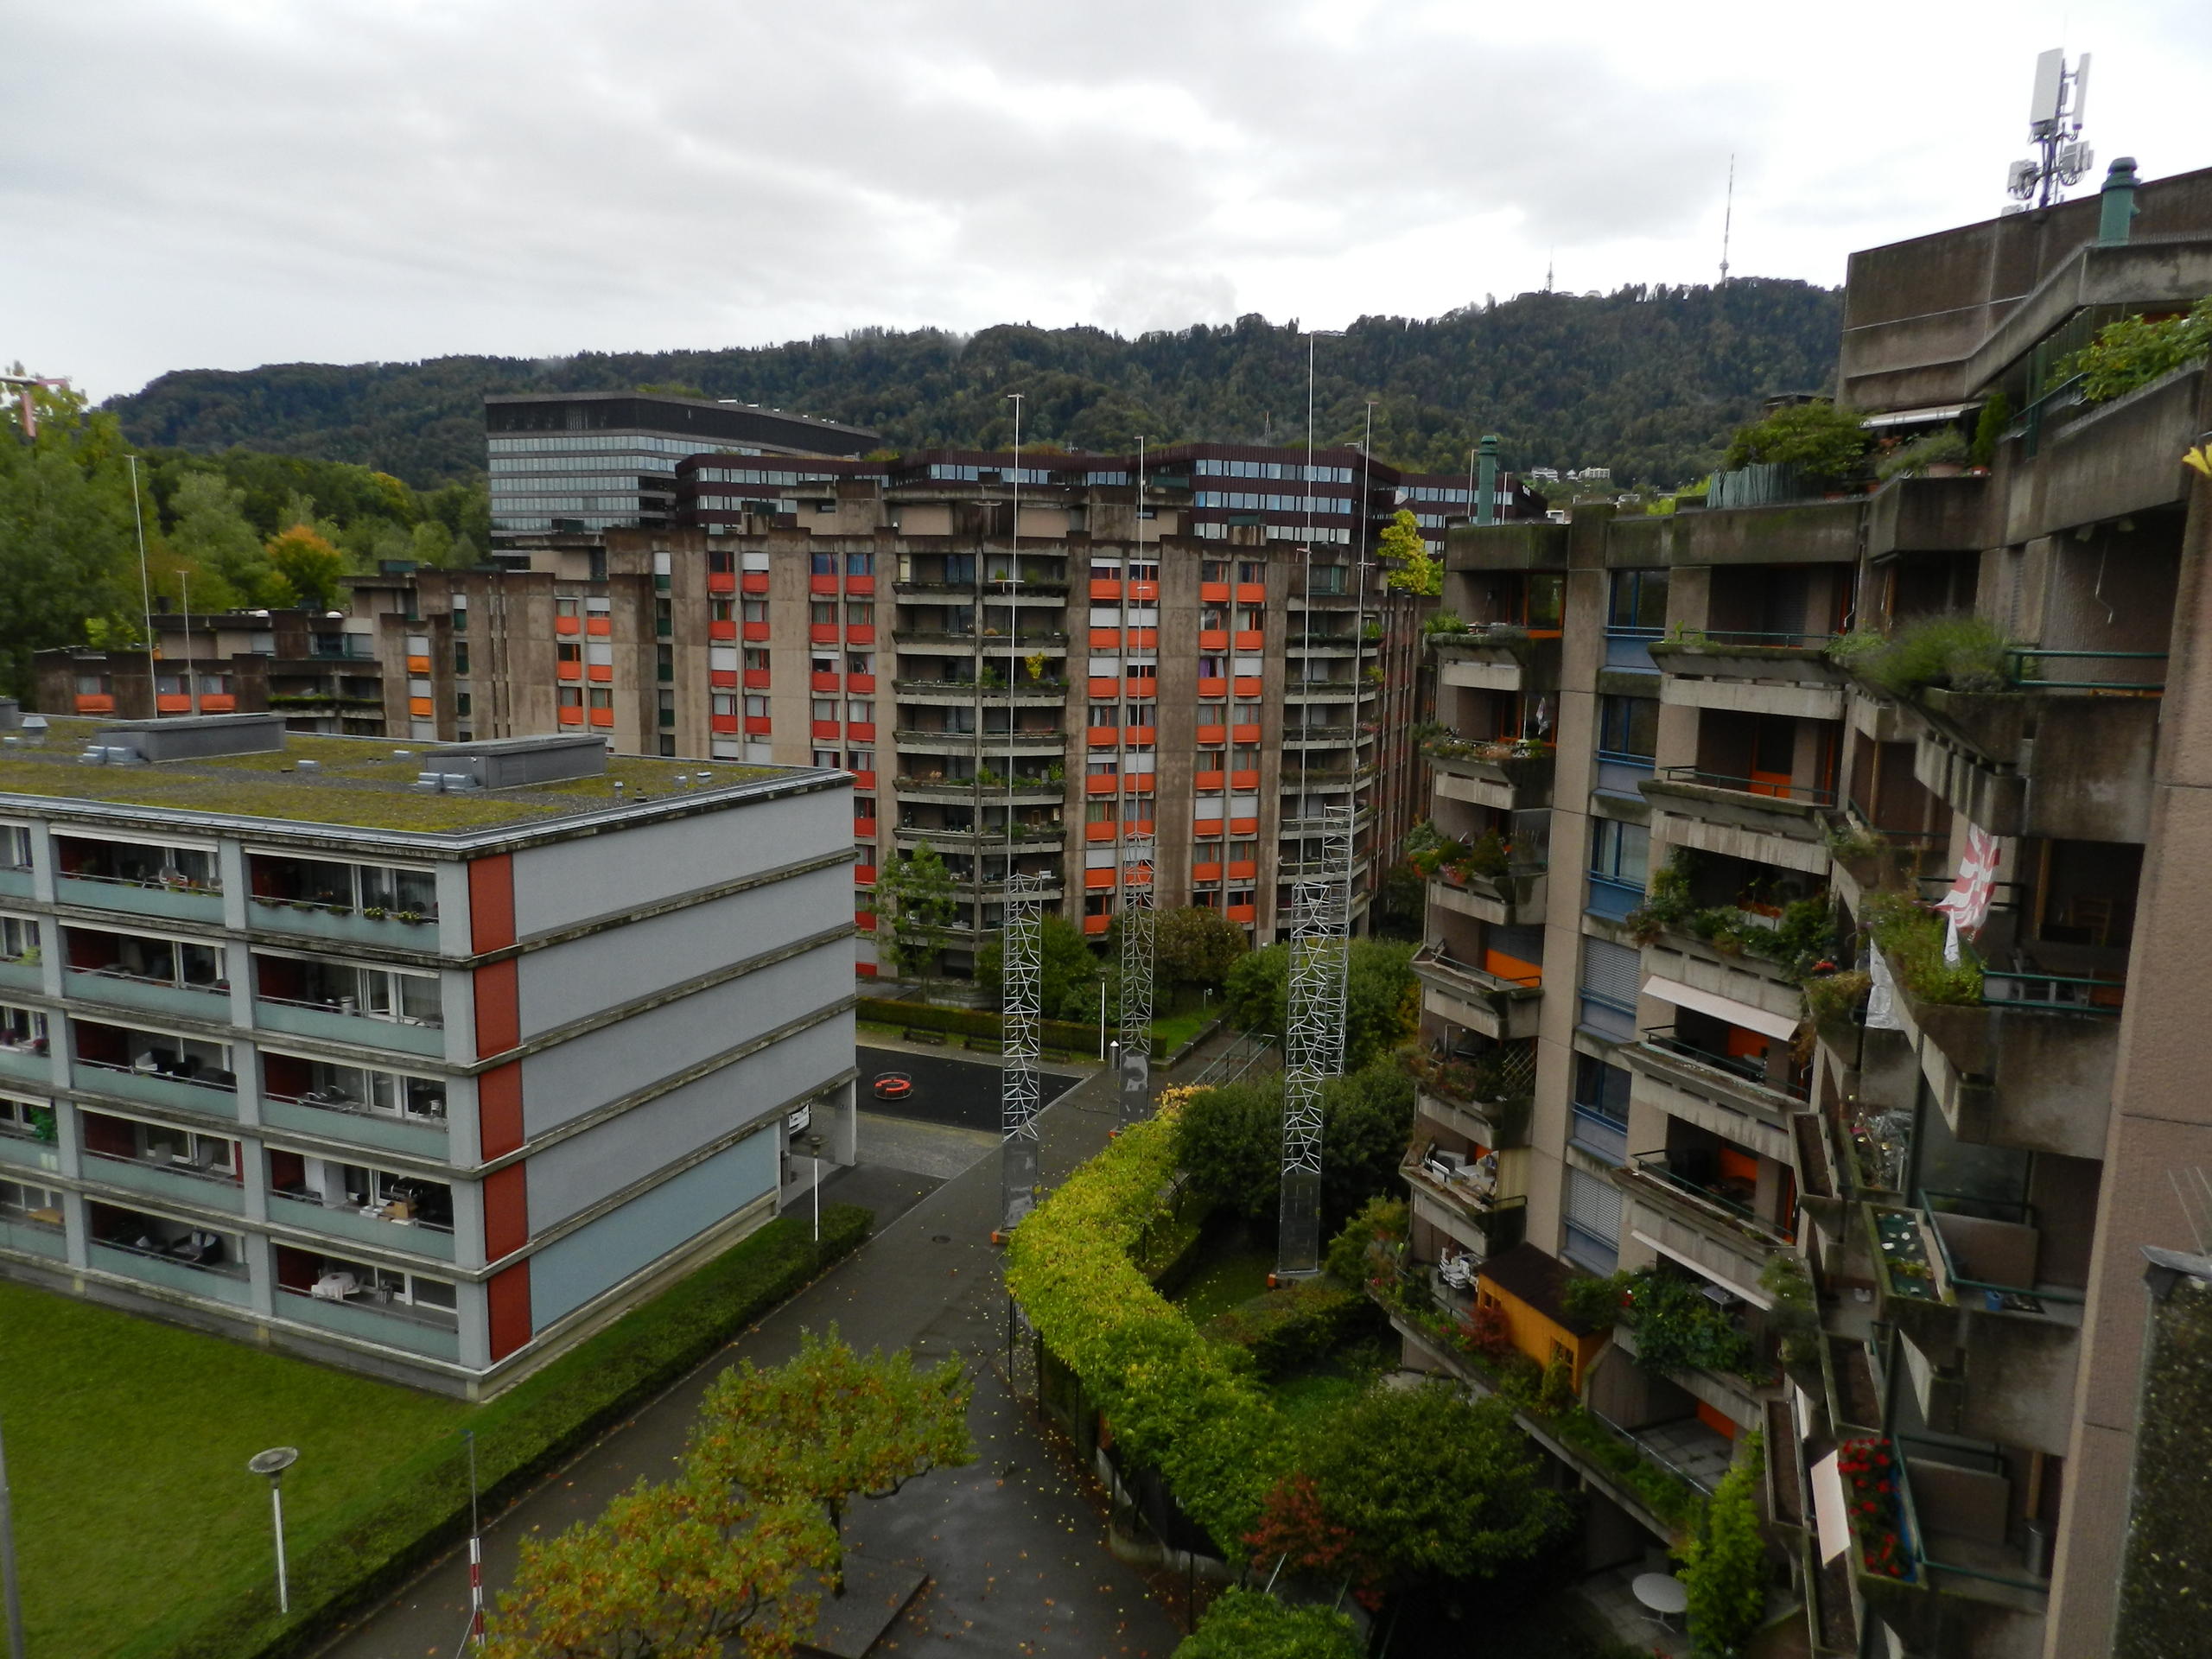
1296 1532
1401 545
310 563
691 1569
830 1425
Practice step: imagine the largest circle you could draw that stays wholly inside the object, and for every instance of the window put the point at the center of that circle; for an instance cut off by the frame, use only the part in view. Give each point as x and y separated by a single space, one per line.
1331 579
572 696
756 660
756 708
860 662
1628 727
1105 713
1213 668
1611 976
826 758
862 760
569 652
1619 852
663 663
1212 617
819 663
825 564
860 613
823 613
18 938
722 704
461 657
1213 571
601 697
860 709
721 610
1251 570
1098 812
1592 1222
1638 602
860 565
1250 618
756 610
825 709
461 705
567 609
1248 713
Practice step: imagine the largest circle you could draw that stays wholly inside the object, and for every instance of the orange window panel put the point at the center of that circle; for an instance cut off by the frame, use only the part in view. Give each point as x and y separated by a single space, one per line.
1139 784
827 729
1102 785
865 920
602 716
1105 587
1147 591
756 725
568 625
755 582
724 722
1247 685
1206 872
1208 782
1206 830
756 679
1212 736
1097 924
1243 869
1102 737
95 702
861 633
860 682
1244 826
756 631
569 670
217 702
822 634
725 677
1098 877
1213 638
1144 638
1250 639
1501 966
603 673
1213 593
1099 831
1245 913
722 581
864 875
1105 638
572 716
599 626
1103 690
824 682
822 585
170 704
864 780
1243 780
861 730
418 665
420 707
861 586
1251 593
1246 733
729 630
1139 828
1144 736
1213 688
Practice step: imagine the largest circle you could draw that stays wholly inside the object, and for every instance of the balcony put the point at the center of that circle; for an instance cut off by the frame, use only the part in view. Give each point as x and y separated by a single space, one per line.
1506 776
1751 673
1484 1098
1041 837
375 1224
1480 1207
1731 1097
163 1161
1758 819
170 1255
1495 657
1503 1009
173 900
1710 1224
350 903
1755 982
988 743
352 1300
150 994
1515 899
2061 759
965 693
963 791
353 1103
24 1054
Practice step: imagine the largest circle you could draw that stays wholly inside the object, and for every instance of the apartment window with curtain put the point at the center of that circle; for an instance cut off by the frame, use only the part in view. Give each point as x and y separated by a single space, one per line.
1620 858
1628 739
1600 1121
1636 614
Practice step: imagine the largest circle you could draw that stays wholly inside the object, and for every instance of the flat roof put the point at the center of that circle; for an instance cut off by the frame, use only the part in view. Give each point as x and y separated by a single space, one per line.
367 785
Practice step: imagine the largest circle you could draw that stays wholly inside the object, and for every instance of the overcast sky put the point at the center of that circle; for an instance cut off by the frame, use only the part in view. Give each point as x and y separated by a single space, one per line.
222 183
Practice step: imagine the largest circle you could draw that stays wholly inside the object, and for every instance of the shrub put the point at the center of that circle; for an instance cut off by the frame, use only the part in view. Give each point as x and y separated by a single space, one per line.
2133 353
1822 440
1945 448
1678 1330
1958 650
1830 999
1443 622
1724 1568
1285 1327
1365 1251
1594 1302
1911 938
1252 1624
1996 415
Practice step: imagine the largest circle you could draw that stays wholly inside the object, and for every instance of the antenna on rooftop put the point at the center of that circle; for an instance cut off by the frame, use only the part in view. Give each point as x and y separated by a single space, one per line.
1728 219
2055 129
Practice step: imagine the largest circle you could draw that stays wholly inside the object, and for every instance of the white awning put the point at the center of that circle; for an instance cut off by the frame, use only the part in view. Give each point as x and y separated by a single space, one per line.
1831 1515
1919 417
1777 1026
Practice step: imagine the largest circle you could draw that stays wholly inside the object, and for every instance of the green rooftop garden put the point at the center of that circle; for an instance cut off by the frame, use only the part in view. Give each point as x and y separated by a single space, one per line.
359 783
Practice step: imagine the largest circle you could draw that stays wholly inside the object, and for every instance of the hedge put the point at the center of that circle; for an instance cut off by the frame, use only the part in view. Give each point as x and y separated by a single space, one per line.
1177 1402
974 1022
1252 1624
535 1426
1285 1327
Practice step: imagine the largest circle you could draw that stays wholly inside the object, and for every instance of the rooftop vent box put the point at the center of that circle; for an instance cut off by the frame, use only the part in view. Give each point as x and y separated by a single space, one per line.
11 714
510 762
195 737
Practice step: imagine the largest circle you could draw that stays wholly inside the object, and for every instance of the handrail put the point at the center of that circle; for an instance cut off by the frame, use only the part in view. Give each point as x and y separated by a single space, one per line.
2018 658
1952 1275
1669 1043
1655 1164
1430 957
1808 793
1765 637
231 1088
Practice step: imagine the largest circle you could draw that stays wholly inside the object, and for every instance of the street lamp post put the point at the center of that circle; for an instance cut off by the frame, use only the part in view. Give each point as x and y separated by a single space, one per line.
273 1463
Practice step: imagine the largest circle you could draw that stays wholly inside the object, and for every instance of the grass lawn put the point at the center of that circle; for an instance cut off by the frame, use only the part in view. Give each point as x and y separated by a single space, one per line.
1235 1272
1177 1029
139 1531
127 1444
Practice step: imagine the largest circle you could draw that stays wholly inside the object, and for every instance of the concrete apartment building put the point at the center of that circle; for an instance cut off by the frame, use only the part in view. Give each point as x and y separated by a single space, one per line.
1107 668
425 1062
317 669
1646 715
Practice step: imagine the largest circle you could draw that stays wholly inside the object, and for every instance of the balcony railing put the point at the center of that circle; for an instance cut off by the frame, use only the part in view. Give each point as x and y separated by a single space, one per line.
1597 1133
1765 788
1653 1166
1752 1071
2032 667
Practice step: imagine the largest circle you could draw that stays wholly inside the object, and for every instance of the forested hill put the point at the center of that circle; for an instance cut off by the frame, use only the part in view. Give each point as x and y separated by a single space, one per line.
1647 380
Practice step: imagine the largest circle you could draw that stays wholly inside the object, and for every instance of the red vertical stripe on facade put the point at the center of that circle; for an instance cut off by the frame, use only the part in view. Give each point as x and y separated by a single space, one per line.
498 1109
498 1017
491 903
507 1296
506 1212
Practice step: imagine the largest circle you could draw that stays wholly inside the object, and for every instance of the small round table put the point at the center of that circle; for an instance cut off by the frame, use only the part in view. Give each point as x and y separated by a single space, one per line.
1661 1593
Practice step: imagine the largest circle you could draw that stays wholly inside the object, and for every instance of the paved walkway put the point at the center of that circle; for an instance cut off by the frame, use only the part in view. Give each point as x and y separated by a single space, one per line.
1018 1558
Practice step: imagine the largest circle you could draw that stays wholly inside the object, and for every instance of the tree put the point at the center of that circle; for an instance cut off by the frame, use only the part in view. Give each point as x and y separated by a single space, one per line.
1229 1141
1253 1624
229 567
830 1425
1366 1118
1431 1485
67 544
310 564
1195 946
1724 1567
1382 996
1068 970
680 1570
1401 545
914 896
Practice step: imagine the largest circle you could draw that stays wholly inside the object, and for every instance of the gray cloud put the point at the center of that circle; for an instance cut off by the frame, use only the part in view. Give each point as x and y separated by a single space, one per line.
225 182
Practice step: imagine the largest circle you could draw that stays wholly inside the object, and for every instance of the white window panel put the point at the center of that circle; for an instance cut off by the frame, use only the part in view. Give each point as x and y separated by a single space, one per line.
598 607
722 658
420 688
599 653
1144 616
1243 806
1140 760
1098 858
1251 666
1105 668
418 644
752 560
660 564
1105 616
760 754
422 730
727 749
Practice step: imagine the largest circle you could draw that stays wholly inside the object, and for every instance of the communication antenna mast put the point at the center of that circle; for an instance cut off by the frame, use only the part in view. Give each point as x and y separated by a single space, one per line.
1313 1040
2055 129
25 406
1728 219
1020 983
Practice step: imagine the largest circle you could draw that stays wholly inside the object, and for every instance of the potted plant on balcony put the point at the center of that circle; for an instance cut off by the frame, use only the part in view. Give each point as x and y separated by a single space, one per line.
373 913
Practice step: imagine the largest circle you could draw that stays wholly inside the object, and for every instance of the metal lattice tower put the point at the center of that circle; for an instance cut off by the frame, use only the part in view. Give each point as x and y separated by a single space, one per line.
1137 979
1020 1087
1313 1039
